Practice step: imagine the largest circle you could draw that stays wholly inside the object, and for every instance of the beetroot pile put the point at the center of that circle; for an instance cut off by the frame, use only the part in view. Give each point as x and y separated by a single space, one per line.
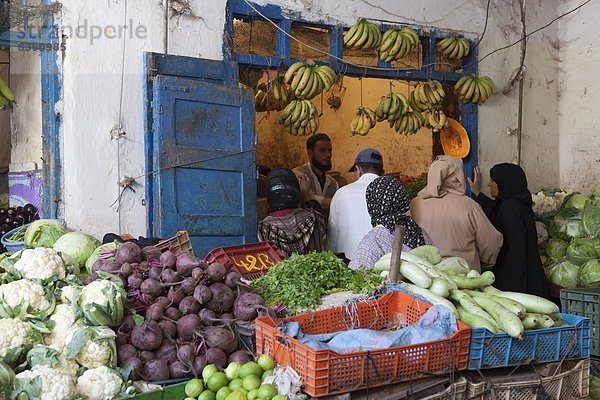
191 312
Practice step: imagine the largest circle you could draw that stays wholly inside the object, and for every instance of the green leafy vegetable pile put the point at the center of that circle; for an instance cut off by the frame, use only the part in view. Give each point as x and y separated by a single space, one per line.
300 281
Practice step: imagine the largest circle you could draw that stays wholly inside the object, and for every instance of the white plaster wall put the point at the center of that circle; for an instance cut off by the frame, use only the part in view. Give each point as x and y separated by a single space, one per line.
579 107
93 163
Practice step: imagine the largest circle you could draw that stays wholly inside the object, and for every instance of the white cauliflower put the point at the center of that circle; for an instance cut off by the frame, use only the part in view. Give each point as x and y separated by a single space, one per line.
547 201
100 383
64 320
70 366
98 350
93 293
40 263
56 383
66 294
13 333
23 291
542 232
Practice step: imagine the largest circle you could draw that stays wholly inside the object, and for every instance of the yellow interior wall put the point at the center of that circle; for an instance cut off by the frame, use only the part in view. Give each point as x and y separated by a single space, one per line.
409 155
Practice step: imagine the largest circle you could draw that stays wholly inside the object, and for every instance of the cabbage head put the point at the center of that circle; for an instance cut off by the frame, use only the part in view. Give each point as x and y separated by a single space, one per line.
563 273
75 248
43 233
556 248
590 218
590 273
582 250
576 200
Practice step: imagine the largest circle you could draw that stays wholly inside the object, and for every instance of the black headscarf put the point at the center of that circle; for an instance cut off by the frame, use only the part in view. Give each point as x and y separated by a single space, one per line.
512 184
387 203
283 190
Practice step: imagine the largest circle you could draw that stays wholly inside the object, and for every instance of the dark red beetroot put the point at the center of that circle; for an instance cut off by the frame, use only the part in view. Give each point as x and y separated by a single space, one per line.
148 336
203 294
199 364
167 260
226 319
128 253
187 326
178 369
126 270
152 287
167 351
232 279
137 367
128 324
163 301
221 338
173 313
186 353
241 356
216 356
154 312
208 317
169 276
154 273
146 356
198 274
156 370
168 328
134 282
124 352
151 253
189 306
222 299
216 272
175 295
188 285
247 305
121 339
185 263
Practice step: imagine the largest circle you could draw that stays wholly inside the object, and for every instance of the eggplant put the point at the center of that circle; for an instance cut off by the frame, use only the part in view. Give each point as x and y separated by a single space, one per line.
11 212
29 209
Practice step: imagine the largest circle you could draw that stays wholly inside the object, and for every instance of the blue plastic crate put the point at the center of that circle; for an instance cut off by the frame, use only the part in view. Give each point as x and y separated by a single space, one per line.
584 302
495 350
13 246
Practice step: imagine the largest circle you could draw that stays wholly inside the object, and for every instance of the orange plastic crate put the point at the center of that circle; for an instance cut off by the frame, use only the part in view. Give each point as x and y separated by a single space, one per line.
252 260
325 372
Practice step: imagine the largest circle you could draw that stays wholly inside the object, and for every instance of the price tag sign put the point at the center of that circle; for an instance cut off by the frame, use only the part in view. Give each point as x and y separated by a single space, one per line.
253 262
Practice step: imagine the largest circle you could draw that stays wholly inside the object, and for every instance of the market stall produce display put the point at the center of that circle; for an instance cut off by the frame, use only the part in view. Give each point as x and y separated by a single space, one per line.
12 218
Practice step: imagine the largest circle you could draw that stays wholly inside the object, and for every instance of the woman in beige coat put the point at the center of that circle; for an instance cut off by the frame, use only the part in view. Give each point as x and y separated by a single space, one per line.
456 223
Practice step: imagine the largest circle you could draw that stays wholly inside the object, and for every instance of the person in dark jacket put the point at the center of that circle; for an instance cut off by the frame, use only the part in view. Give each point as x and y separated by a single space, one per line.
518 266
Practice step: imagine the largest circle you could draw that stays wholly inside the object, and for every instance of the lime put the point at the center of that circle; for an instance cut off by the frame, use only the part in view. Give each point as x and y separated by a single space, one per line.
207 395
208 371
217 381
251 382
237 395
266 362
267 373
267 391
194 387
233 370
279 397
253 394
250 368
236 384
223 393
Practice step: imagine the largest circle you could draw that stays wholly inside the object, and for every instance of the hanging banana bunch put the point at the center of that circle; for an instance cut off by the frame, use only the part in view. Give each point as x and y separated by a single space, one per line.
391 107
300 117
260 98
307 80
474 89
435 118
6 95
426 95
363 121
363 35
397 44
455 47
273 96
409 123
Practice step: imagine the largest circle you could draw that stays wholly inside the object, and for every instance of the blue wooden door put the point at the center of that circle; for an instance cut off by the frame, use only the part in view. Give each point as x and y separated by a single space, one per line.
203 148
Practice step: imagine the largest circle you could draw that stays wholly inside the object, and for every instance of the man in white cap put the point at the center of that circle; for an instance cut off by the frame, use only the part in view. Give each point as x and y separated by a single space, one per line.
349 220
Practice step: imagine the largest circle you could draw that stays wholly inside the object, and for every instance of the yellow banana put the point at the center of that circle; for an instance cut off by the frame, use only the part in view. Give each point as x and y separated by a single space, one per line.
450 49
468 88
413 35
295 67
297 77
484 89
388 39
476 94
350 33
456 50
444 44
364 37
306 74
460 83
356 36
489 81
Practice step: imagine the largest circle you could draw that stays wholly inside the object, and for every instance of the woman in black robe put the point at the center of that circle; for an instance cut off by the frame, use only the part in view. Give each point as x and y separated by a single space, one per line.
518 266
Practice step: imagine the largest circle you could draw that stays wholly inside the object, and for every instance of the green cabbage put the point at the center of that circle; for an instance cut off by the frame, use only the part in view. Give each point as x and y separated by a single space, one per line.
556 248
590 273
590 218
44 233
582 250
575 200
563 273
75 248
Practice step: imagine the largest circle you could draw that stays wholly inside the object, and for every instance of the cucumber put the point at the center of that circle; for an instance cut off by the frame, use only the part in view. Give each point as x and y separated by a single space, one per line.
475 321
470 306
509 304
532 303
428 268
440 286
507 320
429 296
415 274
529 321
463 282
456 265
473 274
544 321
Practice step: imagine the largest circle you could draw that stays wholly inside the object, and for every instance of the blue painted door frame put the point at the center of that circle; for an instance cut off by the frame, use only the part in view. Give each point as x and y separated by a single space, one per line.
51 82
241 9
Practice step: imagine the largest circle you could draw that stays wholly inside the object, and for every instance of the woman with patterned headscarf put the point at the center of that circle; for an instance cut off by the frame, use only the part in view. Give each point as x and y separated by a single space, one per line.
387 203
518 266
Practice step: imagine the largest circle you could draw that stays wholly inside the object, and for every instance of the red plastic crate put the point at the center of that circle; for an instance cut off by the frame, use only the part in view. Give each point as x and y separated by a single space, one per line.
251 260
325 372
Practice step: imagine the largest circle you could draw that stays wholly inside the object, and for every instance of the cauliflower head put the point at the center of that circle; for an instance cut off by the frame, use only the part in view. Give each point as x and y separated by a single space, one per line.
99 383
94 293
98 349
41 263
56 383
64 320
66 294
13 333
24 291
